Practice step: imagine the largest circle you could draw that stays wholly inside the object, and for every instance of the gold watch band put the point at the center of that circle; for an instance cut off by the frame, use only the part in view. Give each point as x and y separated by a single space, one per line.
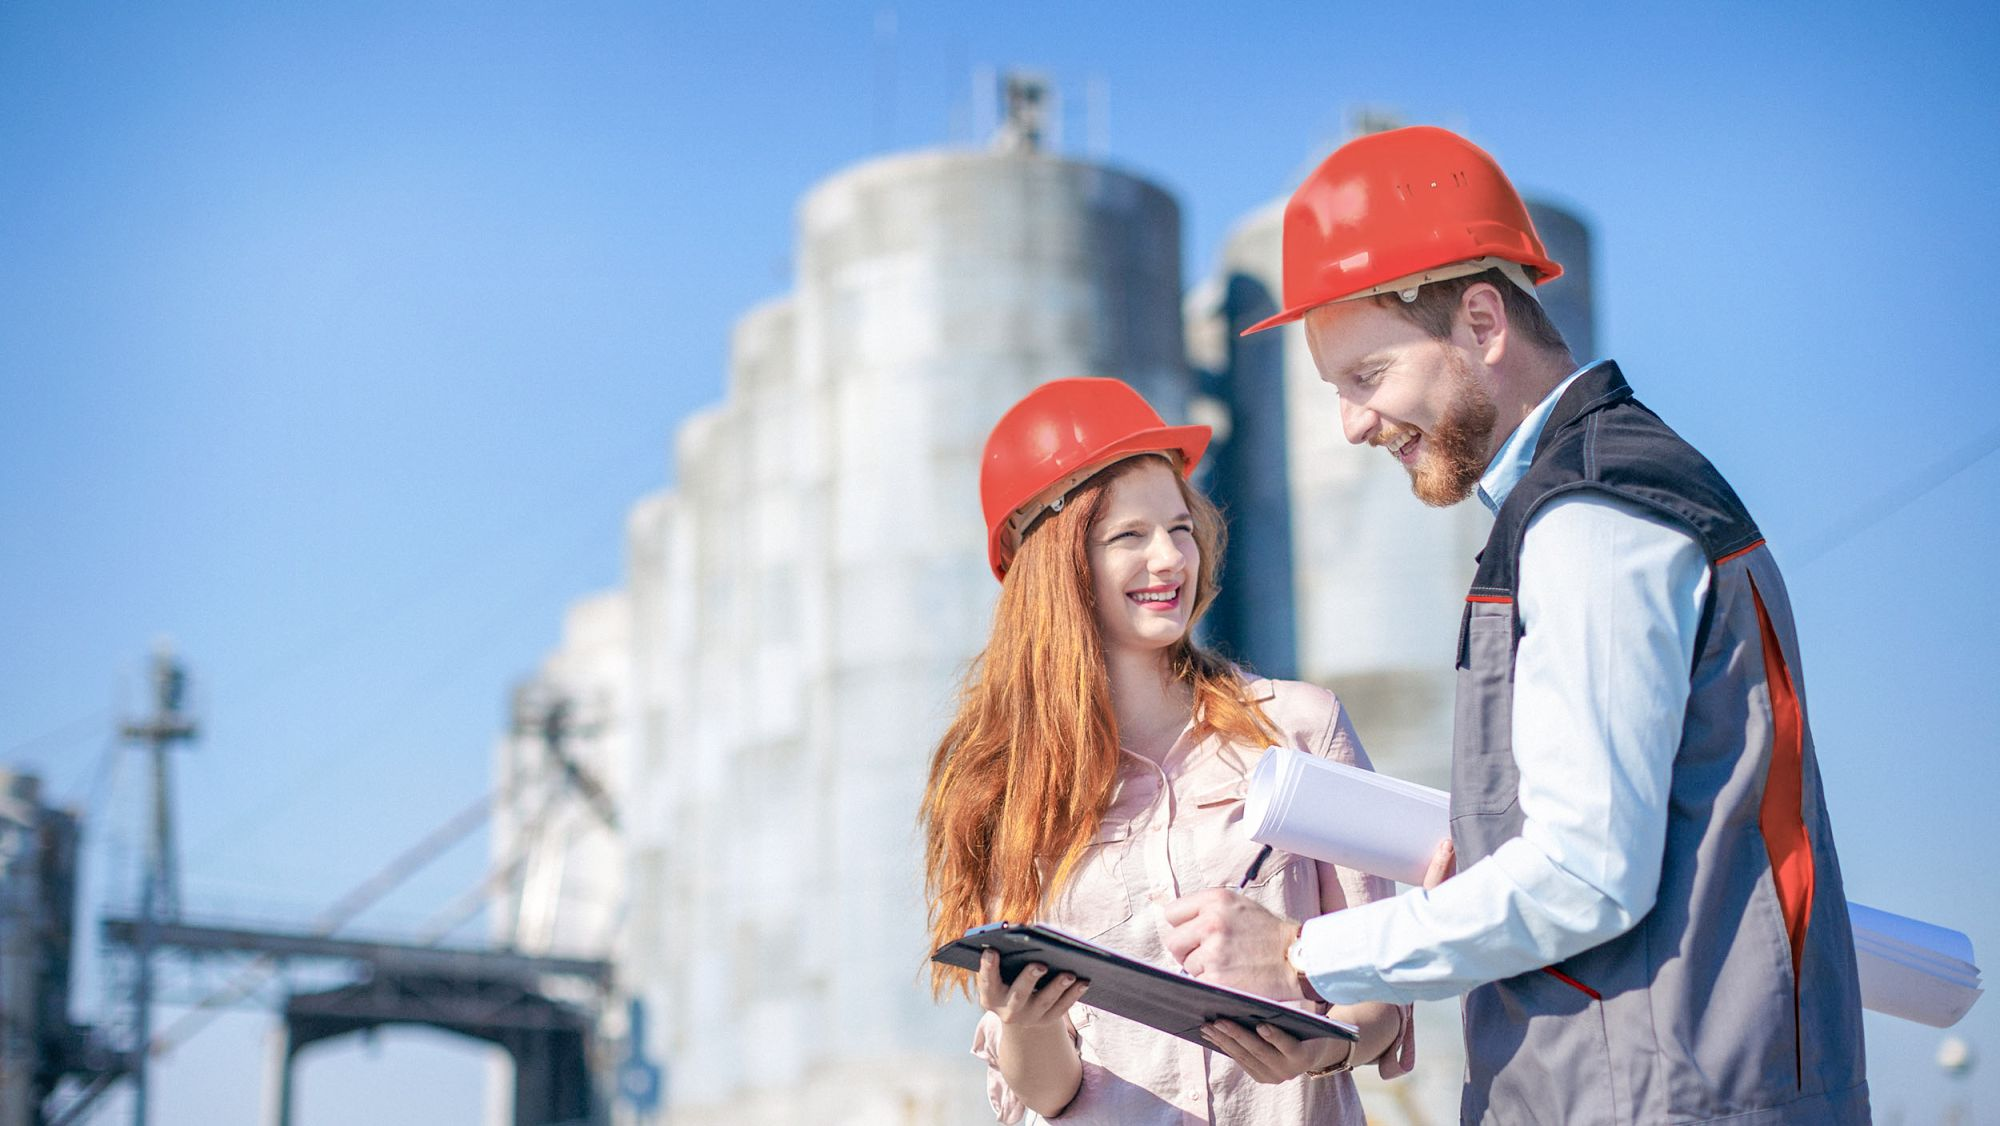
1346 1064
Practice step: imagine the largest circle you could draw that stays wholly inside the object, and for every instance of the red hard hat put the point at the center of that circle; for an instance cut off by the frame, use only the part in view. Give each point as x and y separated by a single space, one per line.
1054 439
1390 211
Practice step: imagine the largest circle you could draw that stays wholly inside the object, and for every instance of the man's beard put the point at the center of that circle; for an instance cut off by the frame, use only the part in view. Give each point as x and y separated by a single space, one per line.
1450 466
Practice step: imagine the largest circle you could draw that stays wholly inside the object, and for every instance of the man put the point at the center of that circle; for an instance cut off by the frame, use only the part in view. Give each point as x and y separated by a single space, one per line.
1647 920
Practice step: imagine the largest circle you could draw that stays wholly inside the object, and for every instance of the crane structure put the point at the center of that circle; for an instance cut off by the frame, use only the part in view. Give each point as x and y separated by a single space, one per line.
542 1009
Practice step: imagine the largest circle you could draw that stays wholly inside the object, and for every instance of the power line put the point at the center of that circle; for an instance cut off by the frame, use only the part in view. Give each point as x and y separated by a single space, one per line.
62 733
309 778
286 667
1900 497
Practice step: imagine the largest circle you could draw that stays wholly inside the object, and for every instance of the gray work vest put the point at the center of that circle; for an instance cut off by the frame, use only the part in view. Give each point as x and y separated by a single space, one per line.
1735 997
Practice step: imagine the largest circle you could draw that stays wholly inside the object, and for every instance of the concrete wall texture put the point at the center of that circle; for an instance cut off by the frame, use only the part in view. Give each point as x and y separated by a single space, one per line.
762 697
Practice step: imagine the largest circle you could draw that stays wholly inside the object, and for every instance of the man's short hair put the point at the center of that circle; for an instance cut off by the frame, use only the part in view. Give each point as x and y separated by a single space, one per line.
1436 307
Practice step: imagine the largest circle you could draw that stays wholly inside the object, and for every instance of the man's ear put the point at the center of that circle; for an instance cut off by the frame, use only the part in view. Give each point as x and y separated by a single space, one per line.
1482 321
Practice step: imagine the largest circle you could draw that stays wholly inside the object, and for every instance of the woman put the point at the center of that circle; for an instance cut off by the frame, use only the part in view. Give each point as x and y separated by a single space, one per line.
1098 763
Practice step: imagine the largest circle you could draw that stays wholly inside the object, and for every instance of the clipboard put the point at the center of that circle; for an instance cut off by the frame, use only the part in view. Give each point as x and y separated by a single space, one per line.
1171 1002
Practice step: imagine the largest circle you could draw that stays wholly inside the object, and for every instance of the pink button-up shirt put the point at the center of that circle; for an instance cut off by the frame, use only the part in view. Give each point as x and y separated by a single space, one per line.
1175 827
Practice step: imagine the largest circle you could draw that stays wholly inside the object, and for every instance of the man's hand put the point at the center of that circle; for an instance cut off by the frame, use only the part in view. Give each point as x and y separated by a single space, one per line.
1443 866
1222 937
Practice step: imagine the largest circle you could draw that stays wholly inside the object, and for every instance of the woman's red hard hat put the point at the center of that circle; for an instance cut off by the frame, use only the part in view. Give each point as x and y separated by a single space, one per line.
1054 439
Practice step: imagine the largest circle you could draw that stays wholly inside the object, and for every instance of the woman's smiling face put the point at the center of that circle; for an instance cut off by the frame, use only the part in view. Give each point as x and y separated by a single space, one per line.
1144 562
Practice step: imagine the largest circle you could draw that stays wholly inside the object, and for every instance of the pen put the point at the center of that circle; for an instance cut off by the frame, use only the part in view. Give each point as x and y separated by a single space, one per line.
1250 873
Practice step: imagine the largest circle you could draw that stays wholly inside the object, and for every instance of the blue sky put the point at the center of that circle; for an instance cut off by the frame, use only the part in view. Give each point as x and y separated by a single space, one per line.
335 342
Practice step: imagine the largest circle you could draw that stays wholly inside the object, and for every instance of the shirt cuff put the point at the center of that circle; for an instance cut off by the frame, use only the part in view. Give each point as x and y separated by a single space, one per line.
1324 949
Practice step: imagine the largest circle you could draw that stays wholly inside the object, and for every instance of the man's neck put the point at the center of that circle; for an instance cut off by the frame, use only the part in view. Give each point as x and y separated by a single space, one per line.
1521 390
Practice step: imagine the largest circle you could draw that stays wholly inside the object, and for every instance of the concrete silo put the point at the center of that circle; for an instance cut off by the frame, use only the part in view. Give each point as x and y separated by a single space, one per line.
1568 299
806 596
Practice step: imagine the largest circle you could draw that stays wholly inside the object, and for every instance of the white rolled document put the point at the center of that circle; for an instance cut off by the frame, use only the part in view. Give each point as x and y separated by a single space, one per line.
1345 815
1388 827
1915 970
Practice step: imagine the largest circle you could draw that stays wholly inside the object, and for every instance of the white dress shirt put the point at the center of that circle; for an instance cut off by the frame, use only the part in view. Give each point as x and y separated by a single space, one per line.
1610 600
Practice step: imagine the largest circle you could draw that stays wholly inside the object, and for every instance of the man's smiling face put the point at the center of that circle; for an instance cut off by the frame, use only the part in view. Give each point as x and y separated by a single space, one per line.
1408 392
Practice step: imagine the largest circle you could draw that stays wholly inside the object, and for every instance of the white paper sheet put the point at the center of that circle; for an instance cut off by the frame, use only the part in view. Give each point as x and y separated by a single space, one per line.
1388 827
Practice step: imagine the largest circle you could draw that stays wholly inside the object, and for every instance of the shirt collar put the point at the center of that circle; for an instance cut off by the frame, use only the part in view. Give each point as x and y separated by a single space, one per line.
1518 451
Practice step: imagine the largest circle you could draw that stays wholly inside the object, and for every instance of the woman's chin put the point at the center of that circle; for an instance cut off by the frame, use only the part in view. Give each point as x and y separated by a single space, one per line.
1151 637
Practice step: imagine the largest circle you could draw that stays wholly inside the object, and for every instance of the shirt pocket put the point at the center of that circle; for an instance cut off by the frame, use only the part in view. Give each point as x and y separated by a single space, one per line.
1096 899
1224 851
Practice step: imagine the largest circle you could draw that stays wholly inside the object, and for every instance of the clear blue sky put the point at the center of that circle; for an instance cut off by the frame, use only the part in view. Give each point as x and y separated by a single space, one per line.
335 341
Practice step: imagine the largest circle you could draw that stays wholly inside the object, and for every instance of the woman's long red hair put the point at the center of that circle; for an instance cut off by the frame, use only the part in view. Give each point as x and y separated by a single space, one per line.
1021 779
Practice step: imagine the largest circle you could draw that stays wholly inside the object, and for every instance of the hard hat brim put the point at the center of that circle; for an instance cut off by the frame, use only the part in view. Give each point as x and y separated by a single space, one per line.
1546 270
1284 318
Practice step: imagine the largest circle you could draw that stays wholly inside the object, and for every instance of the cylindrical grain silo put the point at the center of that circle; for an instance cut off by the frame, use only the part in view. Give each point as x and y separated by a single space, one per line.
934 290
1568 298
806 597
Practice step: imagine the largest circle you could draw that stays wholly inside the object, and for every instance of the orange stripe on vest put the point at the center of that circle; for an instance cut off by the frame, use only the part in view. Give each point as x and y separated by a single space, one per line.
1782 814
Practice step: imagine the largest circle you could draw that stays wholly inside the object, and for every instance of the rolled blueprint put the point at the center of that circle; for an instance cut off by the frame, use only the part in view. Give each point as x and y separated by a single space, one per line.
1388 827
1345 815
1915 970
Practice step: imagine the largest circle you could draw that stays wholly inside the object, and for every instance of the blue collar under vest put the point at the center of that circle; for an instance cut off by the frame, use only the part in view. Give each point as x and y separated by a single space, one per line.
1518 452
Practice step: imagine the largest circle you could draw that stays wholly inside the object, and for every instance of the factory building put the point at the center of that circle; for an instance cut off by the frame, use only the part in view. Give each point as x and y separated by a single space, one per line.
757 706
38 859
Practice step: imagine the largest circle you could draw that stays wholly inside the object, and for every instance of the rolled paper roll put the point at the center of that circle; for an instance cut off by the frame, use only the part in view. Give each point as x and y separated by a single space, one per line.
1345 815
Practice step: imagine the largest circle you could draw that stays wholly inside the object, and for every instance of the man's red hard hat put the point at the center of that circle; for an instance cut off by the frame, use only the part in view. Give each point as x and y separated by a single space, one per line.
1390 211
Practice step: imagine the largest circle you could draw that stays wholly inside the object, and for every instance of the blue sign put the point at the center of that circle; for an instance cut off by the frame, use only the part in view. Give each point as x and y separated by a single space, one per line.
641 1082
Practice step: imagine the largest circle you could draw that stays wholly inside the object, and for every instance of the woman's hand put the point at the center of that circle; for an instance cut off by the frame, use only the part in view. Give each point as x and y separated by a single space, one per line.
1030 1002
1037 1053
1270 1055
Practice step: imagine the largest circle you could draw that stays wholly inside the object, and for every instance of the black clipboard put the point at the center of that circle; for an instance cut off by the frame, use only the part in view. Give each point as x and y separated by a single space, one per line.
1173 1003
